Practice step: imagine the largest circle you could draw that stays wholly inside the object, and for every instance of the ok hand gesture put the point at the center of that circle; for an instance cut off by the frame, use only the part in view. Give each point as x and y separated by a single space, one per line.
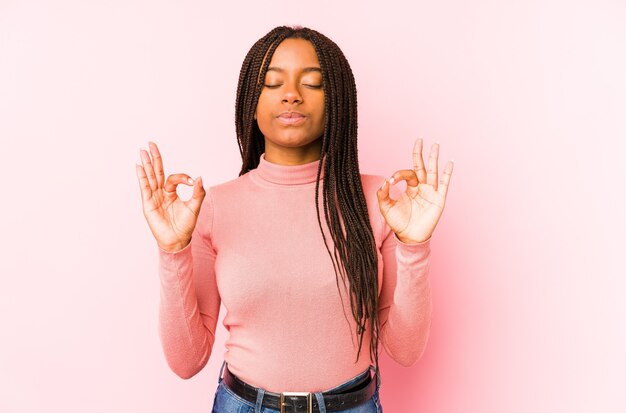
415 214
171 219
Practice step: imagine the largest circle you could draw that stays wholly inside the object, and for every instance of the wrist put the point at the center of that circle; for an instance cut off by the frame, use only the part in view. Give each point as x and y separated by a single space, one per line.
173 247
410 241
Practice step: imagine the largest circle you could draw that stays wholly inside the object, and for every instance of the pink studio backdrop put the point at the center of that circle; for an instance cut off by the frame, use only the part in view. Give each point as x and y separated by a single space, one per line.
527 272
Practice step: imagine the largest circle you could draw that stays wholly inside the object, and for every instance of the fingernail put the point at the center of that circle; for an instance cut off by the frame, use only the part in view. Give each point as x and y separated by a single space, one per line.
383 185
190 181
391 180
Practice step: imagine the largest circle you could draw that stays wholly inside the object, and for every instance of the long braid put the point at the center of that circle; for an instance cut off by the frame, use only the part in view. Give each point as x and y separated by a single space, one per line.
344 205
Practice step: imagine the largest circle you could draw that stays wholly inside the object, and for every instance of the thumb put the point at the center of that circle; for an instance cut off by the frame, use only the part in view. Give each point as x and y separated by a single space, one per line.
197 197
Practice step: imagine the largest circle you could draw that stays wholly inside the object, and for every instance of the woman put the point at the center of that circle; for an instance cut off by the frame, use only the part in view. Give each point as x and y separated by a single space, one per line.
258 244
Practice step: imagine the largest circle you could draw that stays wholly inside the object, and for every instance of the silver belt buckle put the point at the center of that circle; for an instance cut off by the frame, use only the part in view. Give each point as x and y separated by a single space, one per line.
307 394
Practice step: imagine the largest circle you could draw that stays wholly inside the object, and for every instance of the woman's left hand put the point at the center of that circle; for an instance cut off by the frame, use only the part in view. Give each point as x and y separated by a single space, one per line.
415 214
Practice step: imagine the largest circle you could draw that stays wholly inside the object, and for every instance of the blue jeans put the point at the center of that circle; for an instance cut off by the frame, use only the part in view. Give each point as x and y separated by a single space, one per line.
225 401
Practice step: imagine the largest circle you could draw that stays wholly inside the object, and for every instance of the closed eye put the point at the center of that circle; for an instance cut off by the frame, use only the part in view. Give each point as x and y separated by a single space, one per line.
275 86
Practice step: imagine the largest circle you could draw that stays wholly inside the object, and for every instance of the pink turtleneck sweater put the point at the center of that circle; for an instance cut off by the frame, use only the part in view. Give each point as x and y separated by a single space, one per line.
258 249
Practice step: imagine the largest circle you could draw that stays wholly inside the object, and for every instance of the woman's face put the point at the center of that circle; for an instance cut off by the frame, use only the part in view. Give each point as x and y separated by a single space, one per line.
290 111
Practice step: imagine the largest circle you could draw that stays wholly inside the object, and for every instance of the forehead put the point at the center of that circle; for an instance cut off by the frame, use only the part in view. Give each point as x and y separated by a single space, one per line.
294 54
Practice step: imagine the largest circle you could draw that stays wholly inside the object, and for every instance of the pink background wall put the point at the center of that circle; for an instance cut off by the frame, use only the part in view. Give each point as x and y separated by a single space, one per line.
528 97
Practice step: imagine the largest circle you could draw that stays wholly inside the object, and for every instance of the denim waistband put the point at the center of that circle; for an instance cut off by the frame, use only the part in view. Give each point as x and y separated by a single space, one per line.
319 396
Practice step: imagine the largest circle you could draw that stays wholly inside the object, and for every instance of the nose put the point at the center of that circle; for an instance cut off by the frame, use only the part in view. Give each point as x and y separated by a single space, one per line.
292 93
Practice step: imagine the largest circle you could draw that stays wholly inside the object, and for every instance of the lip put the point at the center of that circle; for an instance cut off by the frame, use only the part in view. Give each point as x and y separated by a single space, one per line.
291 118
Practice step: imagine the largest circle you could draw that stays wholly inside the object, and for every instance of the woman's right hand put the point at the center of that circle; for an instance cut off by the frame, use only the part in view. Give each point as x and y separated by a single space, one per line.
171 219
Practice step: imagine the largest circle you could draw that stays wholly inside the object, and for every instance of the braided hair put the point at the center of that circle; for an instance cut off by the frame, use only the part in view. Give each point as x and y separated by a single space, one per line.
342 190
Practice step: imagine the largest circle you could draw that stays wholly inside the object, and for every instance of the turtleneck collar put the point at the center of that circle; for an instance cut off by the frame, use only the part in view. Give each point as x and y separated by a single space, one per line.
288 174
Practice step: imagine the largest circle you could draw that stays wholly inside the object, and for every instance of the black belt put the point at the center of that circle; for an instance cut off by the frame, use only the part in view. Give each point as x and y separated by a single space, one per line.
304 402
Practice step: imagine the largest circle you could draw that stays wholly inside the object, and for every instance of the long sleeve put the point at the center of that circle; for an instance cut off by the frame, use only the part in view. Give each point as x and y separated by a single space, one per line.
189 299
405 305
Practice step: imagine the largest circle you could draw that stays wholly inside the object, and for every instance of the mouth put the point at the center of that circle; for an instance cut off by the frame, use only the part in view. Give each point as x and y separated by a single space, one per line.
291 118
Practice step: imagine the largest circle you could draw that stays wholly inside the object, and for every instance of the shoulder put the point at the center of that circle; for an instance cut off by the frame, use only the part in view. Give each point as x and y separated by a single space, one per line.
371 182
227 189
225 192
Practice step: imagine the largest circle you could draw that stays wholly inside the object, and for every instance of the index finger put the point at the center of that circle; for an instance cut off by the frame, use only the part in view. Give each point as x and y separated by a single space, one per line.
407 175
157 162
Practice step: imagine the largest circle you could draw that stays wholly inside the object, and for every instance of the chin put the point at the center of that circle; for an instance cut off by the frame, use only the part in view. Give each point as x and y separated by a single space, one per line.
293 141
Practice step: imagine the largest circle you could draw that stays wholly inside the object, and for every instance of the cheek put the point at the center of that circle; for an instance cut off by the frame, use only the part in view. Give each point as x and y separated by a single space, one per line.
261 106
322 112
321 106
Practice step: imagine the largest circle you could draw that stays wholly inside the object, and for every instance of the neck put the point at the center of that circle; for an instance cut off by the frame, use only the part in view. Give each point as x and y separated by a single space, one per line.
282 155
281 174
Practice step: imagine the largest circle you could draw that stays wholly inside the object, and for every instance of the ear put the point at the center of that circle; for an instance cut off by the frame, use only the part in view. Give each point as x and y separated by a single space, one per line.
255 115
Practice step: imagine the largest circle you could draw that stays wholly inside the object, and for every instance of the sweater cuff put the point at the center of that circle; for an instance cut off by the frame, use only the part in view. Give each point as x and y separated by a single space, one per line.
415 246
176 261
412 254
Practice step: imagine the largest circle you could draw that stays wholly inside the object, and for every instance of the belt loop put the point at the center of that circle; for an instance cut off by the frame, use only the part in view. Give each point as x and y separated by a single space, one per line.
220 378
259 400
321 403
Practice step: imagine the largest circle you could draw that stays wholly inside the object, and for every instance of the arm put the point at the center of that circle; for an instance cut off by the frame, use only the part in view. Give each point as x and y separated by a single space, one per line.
189 299
405 305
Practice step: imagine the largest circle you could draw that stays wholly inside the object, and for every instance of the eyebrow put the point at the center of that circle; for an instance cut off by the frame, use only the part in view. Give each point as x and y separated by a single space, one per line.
306 69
